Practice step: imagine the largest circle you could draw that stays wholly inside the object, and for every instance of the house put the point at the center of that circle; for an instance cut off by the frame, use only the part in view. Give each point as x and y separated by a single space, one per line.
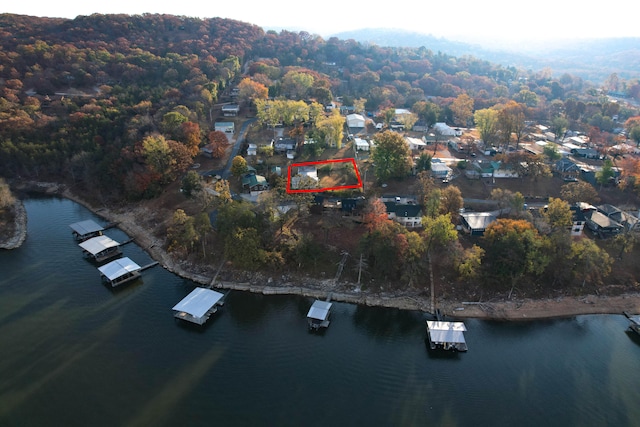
361 144
567 169
347 109
226 127
230 110
252 150
629 221
355 121
475 223
254 184
420 127
409 215
282 145
307 177
587 153
439 170
444 129
601 224
415 143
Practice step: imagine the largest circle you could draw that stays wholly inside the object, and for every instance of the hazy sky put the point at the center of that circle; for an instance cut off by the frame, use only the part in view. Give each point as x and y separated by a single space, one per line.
468 20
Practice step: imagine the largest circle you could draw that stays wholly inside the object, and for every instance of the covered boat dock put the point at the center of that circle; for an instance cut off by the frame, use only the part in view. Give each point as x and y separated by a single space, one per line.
198 306
446 335
84 230
101 248
318 316
120 271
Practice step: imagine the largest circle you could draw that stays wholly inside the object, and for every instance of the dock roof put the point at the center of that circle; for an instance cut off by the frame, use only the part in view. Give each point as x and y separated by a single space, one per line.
86 227
118 268
95 245
446 332
319 310
198 302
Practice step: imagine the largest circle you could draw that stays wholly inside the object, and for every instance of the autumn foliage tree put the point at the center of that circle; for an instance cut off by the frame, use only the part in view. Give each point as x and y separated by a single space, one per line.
219 143
514 249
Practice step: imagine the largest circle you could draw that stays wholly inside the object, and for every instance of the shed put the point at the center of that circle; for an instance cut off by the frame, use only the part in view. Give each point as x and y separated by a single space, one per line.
101 248
198 306
120 271
318 316
84 230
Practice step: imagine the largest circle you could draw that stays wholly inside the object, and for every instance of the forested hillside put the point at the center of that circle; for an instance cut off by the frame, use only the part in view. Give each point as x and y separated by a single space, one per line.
123 103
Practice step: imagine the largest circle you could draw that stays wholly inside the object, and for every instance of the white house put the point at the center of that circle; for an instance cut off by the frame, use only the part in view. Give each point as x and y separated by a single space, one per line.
415 143
252 150
355 121
361 144
226 127
444 129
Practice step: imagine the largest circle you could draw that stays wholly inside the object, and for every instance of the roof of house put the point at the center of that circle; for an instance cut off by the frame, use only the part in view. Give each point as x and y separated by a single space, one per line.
601 220
478 220
252 180
403 210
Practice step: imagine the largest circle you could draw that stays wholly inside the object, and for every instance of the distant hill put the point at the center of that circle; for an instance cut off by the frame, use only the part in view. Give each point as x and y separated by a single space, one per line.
593 60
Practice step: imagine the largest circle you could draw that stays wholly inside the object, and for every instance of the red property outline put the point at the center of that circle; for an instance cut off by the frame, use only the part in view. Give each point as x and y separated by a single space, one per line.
322 162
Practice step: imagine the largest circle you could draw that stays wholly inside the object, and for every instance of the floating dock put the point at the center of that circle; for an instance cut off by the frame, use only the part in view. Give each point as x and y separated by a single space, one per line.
319 313
446 335
101 248
87 229
120 271
198 306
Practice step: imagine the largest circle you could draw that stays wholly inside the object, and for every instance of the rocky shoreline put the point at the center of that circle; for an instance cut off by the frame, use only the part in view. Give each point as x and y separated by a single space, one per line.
348 292
20 231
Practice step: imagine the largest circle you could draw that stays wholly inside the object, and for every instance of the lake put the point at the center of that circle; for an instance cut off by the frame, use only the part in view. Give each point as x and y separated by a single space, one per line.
76 353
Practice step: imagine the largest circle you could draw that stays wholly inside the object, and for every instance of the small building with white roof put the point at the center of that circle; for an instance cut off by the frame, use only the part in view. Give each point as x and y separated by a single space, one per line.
446 335
100 248
318 316
84 230
198 306
119 271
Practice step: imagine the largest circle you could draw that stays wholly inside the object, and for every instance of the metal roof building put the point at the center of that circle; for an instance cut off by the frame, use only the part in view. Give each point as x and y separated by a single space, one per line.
120 271
198 305
84 230
446 335
318 316
101 248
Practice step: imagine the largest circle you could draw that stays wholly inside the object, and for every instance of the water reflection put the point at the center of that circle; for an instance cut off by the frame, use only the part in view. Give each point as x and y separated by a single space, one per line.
386 322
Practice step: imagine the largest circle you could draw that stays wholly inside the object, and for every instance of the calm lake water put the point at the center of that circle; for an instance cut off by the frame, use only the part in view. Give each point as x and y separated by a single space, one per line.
75 353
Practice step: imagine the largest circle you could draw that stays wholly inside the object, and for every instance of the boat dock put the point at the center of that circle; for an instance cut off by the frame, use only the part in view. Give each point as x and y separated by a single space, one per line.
198 306
87 229
446 335
634 322
120 271
100 248
318 315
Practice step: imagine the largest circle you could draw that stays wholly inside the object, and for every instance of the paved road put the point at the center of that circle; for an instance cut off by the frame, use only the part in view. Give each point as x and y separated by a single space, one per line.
236 148
226 172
